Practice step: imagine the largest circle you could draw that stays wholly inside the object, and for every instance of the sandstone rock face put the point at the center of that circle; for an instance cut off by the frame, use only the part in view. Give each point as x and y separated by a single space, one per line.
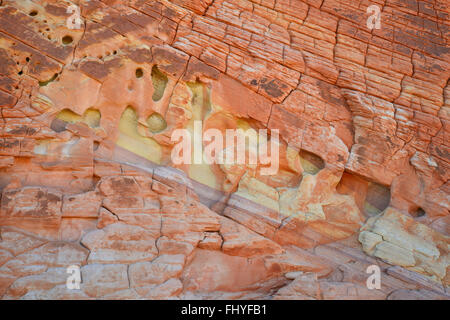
88 178
399 240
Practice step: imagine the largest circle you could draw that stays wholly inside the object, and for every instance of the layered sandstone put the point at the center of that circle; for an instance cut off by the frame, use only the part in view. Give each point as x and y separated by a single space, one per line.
88 177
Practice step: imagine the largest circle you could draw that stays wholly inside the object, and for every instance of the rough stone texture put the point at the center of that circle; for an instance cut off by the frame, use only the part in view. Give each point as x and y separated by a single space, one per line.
399 240
87 178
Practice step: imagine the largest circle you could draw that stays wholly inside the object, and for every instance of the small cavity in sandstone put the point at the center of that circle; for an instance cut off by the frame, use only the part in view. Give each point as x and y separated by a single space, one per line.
156 123
91 117
377 199
417 213
67 40
200 101
311 163
44 83
139 73
131 138
159 81
68 115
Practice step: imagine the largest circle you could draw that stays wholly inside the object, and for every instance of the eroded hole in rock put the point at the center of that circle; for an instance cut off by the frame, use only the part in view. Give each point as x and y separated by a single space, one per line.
92 117
61 120
67 40
370 197
197 93
44 83
96 145
33 13
131 138
69 116
139 73
377 199
417 213
156 122
95 180
200 101
159 81
311 163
